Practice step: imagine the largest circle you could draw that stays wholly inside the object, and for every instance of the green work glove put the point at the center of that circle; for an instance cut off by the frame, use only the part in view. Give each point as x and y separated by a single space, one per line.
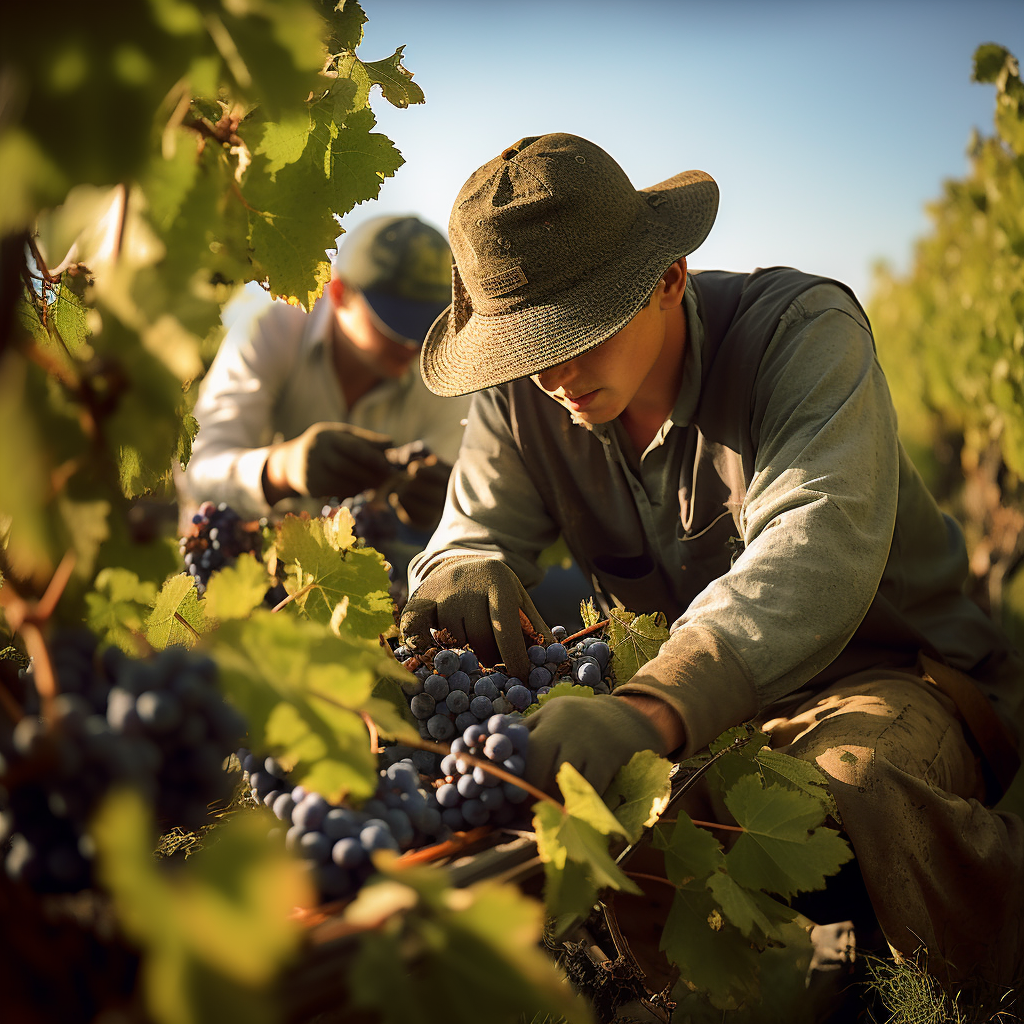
478 601
596 735
418 498
329 459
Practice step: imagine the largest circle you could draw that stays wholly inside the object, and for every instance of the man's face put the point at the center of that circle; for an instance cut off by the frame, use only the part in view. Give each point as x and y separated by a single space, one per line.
597 386
368 343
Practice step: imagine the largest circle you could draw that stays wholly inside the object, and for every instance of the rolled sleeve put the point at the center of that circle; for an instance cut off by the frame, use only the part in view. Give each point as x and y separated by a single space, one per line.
817 526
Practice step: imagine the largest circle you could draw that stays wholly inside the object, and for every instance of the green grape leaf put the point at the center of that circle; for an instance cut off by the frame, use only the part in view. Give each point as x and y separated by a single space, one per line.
283 142
480 947
233 592
710 954
177 617
783 848
639 792
804 776
754 913
394 80
690 852
989 61
302 690
635 640
292 219
744 740
349 92
577 835
118 607
215 932
345 25
565 688
317 553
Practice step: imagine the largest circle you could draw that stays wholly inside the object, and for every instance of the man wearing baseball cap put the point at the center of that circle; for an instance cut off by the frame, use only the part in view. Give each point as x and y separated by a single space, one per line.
721 447
304 406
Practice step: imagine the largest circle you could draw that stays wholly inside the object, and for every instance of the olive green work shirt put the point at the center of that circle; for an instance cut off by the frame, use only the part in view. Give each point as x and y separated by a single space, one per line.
832 522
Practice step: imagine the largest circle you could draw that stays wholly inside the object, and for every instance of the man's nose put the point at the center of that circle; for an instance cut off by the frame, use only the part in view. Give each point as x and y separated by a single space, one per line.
555 377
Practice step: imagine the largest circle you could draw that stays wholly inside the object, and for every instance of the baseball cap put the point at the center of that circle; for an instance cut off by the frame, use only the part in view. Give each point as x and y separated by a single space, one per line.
403 267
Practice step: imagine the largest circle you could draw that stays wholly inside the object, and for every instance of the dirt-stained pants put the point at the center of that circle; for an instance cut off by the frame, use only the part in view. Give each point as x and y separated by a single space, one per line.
942 870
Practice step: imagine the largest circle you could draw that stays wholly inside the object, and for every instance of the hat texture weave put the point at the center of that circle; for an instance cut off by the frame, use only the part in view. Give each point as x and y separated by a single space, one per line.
555 251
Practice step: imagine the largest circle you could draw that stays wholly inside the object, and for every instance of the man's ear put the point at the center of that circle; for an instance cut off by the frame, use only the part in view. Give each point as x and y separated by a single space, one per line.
336 292
674 284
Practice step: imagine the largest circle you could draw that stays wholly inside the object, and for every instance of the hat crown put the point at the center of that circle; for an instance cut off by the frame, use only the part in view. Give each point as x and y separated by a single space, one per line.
533 221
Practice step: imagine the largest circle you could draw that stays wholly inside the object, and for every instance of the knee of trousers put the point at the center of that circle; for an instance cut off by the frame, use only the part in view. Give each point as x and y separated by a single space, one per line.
871 741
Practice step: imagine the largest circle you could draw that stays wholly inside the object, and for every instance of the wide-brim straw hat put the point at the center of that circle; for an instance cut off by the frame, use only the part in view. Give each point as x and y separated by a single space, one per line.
554 252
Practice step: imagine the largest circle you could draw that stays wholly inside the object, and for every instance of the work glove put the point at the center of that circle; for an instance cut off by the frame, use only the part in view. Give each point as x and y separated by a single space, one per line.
596 735
478 601
418 497
332 459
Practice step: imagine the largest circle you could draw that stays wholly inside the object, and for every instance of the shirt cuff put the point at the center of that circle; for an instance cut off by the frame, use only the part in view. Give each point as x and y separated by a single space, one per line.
702 680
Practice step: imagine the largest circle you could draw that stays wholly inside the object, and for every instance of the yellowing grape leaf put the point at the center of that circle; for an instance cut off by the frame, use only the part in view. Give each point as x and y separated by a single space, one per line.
233 592
178 600
317 553
635 640
783 849
639 792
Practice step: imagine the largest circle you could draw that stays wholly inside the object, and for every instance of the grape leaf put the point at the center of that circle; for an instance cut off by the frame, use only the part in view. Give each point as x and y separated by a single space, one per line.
989 61
292 215
480 947
690 852
635 640
711 954
394 80
804 776
178 600
318 552
577 836
589 614
118 607
233 592
783 849
216 931
283 142
345 26
754 913
301 689
639 792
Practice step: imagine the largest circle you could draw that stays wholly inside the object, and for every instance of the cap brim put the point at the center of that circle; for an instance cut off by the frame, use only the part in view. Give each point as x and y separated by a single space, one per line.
410 319
490 350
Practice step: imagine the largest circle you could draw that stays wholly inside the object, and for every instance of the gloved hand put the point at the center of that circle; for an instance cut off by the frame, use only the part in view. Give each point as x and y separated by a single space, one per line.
596 735
328 459
418 498
478 601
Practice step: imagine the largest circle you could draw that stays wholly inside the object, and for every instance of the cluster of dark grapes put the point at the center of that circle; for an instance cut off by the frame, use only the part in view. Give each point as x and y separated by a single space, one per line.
217 537
408 811
337 841
159 725
450 692
471 796
374 523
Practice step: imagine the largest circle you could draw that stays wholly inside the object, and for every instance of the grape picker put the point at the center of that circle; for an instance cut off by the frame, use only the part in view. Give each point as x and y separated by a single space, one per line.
308 406
722 447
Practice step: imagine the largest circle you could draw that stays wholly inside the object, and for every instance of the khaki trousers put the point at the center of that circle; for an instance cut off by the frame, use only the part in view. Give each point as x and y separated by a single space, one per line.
941 869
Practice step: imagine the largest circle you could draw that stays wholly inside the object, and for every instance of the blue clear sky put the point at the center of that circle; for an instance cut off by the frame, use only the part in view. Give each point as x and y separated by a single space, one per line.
828 125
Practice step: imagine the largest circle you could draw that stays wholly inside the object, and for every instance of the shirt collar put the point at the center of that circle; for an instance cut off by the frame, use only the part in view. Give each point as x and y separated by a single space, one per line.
689 390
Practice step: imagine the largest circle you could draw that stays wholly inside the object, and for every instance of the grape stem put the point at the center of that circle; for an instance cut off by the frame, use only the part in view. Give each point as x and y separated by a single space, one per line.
27 617
583 632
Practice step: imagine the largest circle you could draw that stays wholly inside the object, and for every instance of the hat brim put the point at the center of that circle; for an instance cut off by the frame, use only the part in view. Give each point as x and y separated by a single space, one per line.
410 319
490 350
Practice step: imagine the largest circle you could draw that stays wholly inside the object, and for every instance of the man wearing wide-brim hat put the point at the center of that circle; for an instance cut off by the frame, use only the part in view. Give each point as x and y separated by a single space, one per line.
722 448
